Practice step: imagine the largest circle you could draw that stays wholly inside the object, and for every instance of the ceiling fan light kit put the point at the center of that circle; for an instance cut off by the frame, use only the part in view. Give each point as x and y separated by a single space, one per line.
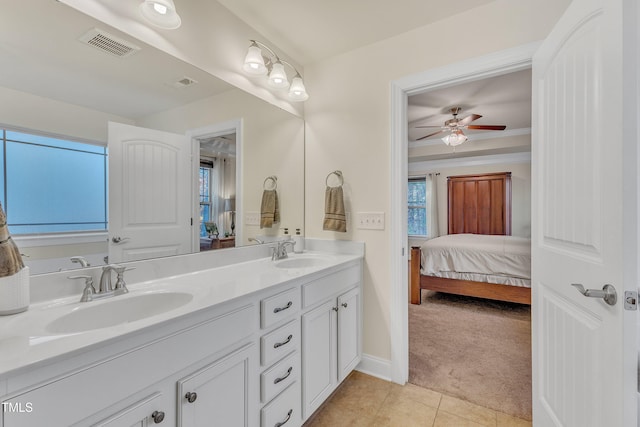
262 60
455 126
455 138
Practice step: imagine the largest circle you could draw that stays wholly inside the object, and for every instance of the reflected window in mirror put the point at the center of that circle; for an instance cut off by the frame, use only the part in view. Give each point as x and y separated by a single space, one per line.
51 184
208 227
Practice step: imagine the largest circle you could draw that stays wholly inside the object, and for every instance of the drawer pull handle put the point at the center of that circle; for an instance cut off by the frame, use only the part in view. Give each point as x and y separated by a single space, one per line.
191 396
280 344
277 380
279 309
344 304
157 417
286 420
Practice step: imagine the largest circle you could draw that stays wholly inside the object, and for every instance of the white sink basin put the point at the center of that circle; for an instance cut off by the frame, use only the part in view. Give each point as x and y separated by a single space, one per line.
302 262
117 310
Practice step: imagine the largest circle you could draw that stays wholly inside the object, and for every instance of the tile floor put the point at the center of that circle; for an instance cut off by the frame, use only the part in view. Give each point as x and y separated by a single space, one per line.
363 400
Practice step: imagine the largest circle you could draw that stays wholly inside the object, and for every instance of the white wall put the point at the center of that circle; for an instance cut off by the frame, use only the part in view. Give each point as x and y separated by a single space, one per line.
347 124
273 144
37 113
520 193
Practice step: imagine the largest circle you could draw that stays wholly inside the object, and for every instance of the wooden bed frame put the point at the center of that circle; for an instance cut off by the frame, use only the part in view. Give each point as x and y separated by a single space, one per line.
508 293
478 204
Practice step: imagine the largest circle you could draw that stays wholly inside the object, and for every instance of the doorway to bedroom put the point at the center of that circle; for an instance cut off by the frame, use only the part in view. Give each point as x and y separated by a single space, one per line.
473 348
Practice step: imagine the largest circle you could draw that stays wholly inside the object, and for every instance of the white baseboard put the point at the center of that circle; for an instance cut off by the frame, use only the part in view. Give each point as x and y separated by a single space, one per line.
375 366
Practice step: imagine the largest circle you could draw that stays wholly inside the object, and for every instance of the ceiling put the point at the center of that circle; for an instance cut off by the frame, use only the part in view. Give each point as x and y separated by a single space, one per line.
43 56
310 31
501 100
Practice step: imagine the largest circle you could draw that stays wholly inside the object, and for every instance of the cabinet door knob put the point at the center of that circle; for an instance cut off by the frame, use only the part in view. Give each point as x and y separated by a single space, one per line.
191 396
344 304
157 417
335 308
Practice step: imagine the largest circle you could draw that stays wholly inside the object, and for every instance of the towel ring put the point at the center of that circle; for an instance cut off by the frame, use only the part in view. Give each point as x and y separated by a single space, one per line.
336 173
274 182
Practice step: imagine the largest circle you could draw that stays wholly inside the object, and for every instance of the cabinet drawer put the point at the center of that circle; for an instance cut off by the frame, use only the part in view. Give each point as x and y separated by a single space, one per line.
328 286
279 307
280 342
284 410
279 377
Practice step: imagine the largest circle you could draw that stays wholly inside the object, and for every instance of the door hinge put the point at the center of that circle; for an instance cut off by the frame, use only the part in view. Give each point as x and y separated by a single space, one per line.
630 300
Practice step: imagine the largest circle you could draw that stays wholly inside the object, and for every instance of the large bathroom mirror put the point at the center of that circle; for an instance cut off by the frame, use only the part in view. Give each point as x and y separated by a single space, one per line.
66 76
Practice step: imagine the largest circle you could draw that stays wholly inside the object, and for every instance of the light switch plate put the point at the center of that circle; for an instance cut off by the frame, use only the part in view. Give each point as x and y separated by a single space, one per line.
252 218
370 220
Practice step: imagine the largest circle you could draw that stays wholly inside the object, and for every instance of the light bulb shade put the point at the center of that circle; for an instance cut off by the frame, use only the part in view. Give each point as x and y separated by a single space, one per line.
161 13
455 138
297 91
254 62
229 205
277 77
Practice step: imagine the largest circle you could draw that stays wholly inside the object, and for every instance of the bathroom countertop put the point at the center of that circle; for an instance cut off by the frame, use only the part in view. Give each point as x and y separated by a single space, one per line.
26 338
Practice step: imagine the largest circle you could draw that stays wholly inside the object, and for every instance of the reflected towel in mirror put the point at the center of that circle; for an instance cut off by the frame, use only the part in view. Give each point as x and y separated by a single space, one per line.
269 209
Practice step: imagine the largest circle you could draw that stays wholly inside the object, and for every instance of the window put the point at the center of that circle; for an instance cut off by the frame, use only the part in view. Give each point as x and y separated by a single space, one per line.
417 201
52 185
205 196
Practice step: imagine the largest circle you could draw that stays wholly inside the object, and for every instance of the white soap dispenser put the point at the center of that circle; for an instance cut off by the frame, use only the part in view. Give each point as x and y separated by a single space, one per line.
299 242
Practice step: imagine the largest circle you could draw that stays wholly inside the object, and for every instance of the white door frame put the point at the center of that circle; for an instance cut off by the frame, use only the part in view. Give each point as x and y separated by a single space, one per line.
218 129
494 64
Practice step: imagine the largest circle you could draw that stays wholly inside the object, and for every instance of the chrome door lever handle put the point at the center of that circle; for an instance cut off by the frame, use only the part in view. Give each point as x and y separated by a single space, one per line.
608 293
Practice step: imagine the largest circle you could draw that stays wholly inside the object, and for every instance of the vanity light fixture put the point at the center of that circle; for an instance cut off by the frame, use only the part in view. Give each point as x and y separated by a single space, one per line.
161 13
259 62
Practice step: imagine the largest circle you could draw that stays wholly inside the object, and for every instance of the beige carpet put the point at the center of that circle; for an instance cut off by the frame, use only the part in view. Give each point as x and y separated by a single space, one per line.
474 349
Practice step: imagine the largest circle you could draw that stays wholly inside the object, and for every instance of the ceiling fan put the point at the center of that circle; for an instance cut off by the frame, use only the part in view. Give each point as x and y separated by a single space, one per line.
456 125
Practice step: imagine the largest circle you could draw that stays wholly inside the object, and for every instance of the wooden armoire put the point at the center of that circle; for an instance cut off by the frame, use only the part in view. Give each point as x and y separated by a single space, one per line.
480 204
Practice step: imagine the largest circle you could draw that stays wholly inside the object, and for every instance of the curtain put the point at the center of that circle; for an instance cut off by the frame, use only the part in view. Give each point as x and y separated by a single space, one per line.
217 194
433 226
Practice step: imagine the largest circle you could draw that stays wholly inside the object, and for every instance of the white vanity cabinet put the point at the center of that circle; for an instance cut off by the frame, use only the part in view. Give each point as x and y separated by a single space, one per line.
332 334
268 357
219 393
280 375
114 383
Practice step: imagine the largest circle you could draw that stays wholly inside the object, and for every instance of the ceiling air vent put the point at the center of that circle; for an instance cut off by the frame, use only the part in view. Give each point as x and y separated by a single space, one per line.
109 43
184 82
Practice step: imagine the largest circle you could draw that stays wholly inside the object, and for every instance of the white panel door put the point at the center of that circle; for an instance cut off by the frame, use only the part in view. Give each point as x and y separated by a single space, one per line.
149 193
580 374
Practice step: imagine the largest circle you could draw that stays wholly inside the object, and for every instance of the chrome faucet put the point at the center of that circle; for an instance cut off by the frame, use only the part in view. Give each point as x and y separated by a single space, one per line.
105 288
255 239
280 250
80 260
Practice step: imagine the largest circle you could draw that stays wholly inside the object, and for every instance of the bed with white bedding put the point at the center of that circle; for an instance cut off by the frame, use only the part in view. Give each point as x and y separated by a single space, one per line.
487 266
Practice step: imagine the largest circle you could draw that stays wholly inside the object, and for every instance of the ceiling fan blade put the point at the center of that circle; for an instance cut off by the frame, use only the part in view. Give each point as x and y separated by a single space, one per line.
469 119
431 134
487 127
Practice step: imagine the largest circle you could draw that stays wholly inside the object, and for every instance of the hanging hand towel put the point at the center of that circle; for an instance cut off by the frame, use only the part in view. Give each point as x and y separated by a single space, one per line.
269 209
10 258
334 215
